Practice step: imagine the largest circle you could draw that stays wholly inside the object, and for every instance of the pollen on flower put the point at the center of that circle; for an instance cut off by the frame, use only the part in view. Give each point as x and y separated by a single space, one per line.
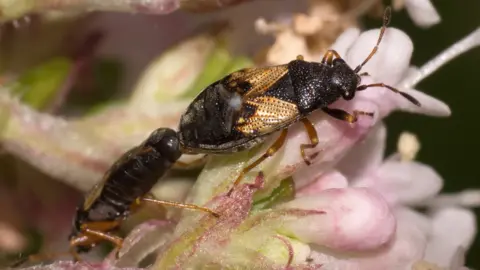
310 33
408 146
267 28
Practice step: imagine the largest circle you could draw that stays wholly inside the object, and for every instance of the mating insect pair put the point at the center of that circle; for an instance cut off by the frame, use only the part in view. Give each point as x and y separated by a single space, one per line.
233 114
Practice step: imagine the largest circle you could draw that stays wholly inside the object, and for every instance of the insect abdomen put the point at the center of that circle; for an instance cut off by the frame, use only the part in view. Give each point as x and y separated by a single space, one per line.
208 122
132 176
138 176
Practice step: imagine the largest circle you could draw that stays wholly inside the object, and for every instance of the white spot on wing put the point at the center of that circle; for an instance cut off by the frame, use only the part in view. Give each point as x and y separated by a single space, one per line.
235 102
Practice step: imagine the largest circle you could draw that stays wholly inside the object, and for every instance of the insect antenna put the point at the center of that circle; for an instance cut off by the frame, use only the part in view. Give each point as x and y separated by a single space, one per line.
405 95
386 21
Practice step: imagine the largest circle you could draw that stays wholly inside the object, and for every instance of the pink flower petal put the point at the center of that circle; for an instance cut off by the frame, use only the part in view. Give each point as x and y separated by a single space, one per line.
453 228
354 220
422 12
392 59
345 41
408 182
366 156
406 247
467 198
333 179
143 240
335 139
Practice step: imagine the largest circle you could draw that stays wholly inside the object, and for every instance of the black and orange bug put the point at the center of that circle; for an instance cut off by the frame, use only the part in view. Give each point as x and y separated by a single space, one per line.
238 111
124 188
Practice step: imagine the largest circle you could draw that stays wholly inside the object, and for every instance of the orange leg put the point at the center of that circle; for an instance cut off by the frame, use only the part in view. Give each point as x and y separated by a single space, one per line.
94 232
178 205
270 152
328 57
80 241
117 241
312 134
345 116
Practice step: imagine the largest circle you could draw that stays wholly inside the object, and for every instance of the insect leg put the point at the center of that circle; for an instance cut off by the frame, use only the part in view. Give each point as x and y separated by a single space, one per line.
117 241
328 57
96 231
312 134
179 205
405 95
80 241
270 152
345 116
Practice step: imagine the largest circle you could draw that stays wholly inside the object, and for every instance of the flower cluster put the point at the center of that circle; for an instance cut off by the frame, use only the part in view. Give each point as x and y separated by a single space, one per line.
352 208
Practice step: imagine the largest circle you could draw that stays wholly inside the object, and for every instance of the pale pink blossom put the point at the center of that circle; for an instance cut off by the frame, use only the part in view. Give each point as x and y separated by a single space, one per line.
402 183
422 12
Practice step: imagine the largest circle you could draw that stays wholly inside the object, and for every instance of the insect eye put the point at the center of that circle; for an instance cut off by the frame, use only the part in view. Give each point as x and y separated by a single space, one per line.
359 79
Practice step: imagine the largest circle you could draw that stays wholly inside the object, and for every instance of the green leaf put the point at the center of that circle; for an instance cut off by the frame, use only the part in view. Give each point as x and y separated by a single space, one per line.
284 192
218 65
214 68
38 87
238 63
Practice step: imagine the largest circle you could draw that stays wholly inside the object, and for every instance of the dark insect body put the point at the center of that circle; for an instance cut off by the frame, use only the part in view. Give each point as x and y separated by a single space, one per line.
240 110
125 187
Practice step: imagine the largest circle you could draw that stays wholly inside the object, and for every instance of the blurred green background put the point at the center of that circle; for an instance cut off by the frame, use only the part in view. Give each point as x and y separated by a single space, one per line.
450 145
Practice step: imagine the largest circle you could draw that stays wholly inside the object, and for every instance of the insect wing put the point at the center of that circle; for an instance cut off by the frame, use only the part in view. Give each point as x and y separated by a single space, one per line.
251 82
264 114
261 113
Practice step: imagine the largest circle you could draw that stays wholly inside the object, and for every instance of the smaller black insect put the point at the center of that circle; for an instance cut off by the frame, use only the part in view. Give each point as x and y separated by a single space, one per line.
125 187
240 110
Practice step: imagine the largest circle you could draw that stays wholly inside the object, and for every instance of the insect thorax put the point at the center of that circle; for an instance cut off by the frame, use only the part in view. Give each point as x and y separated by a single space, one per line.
312 85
